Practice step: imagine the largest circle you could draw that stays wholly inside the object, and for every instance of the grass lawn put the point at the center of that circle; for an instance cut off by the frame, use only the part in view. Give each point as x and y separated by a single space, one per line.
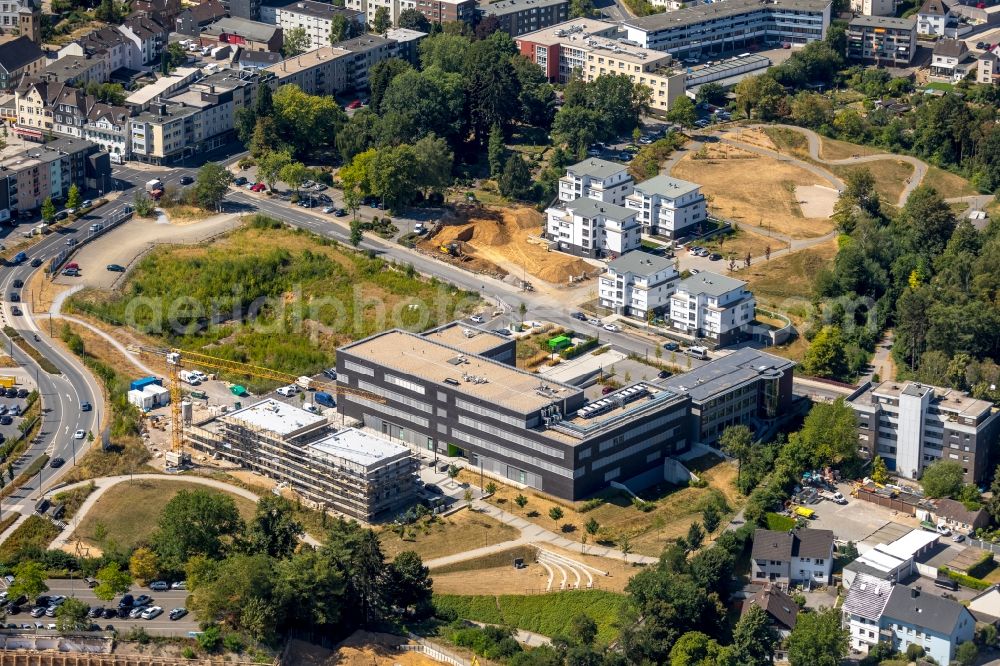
73 499
547 614
779 523
835 149
948 184
452 534
673 509
890 176
35 532
789 276
738 244
129 511
789 141
939 85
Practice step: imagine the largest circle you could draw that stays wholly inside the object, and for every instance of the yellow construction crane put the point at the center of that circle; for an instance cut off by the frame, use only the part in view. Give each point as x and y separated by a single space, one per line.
176 359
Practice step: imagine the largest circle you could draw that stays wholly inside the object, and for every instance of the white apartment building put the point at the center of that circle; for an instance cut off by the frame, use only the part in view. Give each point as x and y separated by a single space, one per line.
596 179
316 18
667 206
590 228
638 283
911 425
712 306
874 7
934 19
988 67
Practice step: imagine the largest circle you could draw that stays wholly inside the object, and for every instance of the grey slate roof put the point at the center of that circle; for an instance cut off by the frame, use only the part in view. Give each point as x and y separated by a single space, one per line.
666 186
955 510
775 603
596 168
923 610
933 8
17 53
782 546
255 30
867 597
727 372
320 10
512 6
638 262
950 48
587 207
710 283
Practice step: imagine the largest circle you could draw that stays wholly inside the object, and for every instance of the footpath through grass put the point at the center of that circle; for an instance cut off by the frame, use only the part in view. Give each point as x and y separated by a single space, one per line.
546 614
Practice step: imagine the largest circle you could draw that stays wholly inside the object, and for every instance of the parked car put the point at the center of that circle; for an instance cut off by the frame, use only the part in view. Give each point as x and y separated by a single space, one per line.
356 104
607 389
476 319
671 346
151 612
715 256
96 611
110 613
6 420
116 268
16 311
159 586
182 584
502 331
341 212
71 272
595 321
240 182
127 601
38 611
663 374
136 612
177 613
22 393
579 316
614 328
328 209
258 187
431 488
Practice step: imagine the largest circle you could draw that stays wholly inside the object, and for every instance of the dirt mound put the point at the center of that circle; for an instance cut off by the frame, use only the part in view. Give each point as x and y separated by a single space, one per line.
362 648
508 240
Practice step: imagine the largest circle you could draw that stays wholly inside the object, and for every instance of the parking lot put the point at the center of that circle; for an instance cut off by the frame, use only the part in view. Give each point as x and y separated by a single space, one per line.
856 520
12 404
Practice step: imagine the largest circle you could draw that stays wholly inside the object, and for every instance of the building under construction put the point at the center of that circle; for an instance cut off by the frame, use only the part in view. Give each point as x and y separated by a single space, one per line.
346 470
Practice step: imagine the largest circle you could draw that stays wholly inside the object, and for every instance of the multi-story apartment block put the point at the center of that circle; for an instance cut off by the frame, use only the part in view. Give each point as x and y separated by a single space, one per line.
148 34
518 17
107 44
245 9
748 387
316 18
365 52
45 108
19 58
638 283
195 120
732 25
934 19
988 67
882 40
323 71
874 7
407 44
29 177
794 557
590 48
911 425
190 21
590 228
436 11
593 178
712 306
668 206
247 34
346 470
78 70
455 390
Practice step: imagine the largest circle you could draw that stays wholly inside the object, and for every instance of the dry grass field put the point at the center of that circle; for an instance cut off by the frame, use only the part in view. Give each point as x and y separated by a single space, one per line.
452 534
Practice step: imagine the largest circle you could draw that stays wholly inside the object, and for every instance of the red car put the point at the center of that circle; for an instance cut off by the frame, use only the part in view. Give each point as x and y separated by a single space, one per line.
258 187
356 104
72 265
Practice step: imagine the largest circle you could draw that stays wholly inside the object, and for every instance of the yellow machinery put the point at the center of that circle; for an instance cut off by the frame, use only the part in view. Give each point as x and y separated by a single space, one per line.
175 359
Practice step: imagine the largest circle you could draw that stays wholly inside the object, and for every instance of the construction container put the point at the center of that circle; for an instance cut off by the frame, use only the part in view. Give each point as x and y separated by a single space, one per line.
140 399
139 384
7 381
160 394
238 390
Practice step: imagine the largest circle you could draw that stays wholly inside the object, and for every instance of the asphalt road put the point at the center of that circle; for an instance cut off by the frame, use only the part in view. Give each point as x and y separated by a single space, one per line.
162 625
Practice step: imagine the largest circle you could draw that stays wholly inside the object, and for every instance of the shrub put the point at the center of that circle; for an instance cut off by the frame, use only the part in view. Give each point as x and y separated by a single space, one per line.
188 652
233 643
591 504
210 639
963 580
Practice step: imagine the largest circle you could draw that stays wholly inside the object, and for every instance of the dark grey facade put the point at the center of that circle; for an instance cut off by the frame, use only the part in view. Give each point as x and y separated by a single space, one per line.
438 394
519 17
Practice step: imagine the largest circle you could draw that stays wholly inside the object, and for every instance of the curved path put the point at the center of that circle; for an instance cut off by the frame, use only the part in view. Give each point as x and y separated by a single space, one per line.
106 483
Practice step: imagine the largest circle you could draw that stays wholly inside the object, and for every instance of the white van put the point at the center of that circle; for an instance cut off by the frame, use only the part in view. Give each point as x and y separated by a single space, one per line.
700 353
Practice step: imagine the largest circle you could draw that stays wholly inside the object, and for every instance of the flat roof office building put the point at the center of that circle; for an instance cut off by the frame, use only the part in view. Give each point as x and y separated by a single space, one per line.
455 390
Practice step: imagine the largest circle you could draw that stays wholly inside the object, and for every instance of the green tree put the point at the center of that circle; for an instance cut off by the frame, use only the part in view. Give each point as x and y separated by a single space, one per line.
211 185
758 96
578 127
592 526
394 175
144 565
826 355
682 112
295 41
445 52
413 19
48 210
381 75
515 181
356 234
73 197
828 434
943 478
581 9
257 618
753 639
556 513
695 536
710 518
737 442
818 639
29 580
72 616
294 174
711 93
880 472
434 161
492 89
305 121
521 501
342 28
496 152
273 529
111 581
812 110
381 21
196 522
695 648
264 138
411 583
269 167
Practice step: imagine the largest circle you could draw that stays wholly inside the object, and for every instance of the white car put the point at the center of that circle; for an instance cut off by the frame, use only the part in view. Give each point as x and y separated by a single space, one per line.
612 327
79 434
288 391
476 319
151 612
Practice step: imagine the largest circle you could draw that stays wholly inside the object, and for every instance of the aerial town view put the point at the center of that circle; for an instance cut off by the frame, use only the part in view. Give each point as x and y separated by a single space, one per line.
489 333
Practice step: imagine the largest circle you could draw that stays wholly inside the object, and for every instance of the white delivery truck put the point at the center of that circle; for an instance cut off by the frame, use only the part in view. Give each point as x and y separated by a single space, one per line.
189 377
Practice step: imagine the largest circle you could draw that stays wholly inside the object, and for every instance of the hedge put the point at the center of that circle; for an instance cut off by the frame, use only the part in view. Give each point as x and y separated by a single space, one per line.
963 580
585 346
982 566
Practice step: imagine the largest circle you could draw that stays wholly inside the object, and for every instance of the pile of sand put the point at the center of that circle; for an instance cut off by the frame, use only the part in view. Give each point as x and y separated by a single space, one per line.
362 648
508 239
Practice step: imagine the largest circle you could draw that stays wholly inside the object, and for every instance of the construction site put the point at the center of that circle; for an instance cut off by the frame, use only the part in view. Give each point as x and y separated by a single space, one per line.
504 243
344 470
